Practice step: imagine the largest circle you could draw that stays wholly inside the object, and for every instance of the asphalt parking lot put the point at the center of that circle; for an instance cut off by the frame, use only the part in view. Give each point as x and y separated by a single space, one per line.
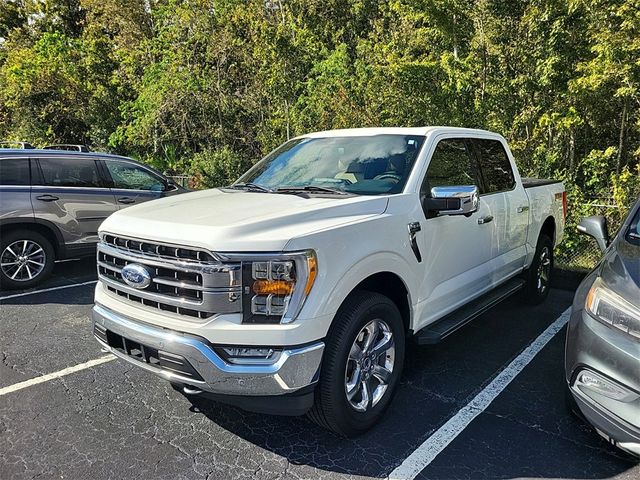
114 421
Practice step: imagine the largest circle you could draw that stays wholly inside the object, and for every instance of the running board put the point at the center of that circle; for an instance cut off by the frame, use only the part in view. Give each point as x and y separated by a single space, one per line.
450 323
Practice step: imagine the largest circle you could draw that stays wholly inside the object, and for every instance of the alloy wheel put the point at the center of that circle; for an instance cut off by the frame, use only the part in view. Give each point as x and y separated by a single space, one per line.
369 365
544 270
23 260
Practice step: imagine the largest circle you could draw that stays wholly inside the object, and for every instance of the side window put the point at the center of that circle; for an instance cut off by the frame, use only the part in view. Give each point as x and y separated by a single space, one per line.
14 172
130 176
69 172
451 164
495 166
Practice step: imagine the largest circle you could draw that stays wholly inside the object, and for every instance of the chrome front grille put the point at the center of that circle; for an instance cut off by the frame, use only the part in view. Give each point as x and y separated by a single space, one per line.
187 283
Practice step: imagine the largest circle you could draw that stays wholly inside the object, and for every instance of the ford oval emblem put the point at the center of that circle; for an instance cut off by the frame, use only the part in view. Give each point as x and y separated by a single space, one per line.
136 275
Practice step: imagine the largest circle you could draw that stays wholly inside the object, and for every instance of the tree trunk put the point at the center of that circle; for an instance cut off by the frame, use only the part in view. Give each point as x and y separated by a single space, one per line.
622 144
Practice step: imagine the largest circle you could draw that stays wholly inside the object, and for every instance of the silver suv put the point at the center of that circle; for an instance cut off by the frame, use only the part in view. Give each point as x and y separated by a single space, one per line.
52 203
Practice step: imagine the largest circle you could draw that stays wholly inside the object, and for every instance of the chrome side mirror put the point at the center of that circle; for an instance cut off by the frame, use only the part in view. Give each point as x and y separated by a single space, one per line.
454 200
596 227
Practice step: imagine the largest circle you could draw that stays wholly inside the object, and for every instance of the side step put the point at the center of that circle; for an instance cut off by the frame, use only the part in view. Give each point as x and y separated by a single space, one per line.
448 324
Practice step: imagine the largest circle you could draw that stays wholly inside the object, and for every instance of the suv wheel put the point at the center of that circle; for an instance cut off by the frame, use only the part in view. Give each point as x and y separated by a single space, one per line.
538 276
26 258
362 365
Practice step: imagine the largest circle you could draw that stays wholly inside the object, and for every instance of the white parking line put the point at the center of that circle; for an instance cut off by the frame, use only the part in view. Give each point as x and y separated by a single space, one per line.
61 287
438 441
54 375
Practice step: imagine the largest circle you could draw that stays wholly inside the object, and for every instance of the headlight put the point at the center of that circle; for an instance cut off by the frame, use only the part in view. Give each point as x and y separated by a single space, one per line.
612 309
275 287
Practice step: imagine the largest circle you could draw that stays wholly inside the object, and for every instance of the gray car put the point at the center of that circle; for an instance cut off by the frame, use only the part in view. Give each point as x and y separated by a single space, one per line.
602 358
52 203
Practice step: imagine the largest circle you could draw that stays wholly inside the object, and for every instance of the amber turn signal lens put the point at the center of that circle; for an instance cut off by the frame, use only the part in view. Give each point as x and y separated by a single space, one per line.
272 287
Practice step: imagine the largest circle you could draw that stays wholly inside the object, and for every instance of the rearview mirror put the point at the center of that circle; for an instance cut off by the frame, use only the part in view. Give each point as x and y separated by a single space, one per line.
454 200
596 227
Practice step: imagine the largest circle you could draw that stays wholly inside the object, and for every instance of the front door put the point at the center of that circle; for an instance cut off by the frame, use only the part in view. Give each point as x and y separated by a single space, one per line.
457 249
132 183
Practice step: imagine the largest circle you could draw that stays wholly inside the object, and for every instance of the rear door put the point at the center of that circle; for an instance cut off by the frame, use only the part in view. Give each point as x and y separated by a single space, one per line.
71 193
132 183
509 205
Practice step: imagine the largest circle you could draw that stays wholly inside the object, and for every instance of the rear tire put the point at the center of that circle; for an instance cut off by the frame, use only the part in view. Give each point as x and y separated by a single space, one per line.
26 259
362 364
538 276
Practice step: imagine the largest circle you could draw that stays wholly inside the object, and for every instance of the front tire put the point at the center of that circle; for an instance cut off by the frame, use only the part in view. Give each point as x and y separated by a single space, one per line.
362 364
538 276
26 259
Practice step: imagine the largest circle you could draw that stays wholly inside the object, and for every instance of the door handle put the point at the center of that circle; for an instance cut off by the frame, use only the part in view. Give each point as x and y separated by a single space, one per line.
522 209
483 220
126 200
47 198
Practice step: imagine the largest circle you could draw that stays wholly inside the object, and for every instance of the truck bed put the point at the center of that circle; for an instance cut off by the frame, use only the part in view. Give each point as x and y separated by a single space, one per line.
530 182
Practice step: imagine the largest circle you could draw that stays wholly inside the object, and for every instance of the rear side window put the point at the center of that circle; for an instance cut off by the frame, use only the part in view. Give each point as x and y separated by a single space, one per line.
495 166
451 164
14 172
69 172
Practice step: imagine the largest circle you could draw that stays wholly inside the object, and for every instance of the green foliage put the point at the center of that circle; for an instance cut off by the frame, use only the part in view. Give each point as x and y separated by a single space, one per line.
210 86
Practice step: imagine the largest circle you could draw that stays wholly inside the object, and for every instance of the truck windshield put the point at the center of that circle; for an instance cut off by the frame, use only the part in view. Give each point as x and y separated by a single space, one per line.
364 165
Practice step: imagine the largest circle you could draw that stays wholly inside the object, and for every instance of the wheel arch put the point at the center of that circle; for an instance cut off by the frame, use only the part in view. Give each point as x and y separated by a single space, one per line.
43 227
549 228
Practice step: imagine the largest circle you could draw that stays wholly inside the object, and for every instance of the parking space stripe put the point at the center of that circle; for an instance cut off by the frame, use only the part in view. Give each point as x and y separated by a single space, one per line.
54 375
44 290
438 441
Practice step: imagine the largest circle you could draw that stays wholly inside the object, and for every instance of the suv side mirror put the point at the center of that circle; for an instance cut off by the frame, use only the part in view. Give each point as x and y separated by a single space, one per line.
455 200
596 227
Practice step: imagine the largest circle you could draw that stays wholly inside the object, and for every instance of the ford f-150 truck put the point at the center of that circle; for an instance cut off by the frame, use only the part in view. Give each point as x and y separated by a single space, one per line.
295 289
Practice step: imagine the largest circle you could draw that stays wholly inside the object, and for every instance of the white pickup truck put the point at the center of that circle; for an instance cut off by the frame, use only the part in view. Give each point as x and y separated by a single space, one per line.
295 289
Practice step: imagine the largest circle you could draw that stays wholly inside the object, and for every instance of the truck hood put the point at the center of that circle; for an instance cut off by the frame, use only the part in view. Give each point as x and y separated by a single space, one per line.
239 221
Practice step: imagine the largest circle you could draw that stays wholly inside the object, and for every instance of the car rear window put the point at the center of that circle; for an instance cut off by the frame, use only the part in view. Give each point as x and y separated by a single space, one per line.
69 172
14 171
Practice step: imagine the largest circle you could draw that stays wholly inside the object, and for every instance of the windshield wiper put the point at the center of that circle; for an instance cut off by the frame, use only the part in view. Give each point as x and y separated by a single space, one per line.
251 186
310 188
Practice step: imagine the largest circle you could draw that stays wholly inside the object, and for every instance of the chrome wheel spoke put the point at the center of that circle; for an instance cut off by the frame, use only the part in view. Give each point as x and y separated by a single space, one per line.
13 277
354 385
356 353
383 345
366 397
372 334
382 374
35 253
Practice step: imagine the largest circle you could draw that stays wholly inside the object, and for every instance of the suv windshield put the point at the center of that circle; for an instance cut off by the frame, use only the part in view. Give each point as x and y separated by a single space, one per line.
366 165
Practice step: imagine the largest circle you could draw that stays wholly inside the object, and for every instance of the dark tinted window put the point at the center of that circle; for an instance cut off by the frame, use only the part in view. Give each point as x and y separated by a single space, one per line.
14 172
451 164
69 172
133 177
495 166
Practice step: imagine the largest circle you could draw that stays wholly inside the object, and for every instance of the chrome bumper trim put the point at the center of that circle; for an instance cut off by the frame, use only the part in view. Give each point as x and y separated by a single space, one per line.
294 368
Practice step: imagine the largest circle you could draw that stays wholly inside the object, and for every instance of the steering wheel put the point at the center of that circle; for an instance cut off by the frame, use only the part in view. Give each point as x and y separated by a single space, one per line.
387 176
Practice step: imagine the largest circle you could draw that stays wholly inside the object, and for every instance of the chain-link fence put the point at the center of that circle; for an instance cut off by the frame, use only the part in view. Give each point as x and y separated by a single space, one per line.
578 251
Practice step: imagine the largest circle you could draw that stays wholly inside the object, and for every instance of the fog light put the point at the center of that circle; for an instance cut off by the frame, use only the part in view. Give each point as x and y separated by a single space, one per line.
592 382
245 355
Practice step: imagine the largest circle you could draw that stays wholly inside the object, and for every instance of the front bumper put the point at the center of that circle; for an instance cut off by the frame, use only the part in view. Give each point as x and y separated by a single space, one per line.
190 360
612 356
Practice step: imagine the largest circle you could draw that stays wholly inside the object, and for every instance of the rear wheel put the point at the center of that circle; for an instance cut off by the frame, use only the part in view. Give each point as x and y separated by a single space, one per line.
538 276
26 259
362 364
